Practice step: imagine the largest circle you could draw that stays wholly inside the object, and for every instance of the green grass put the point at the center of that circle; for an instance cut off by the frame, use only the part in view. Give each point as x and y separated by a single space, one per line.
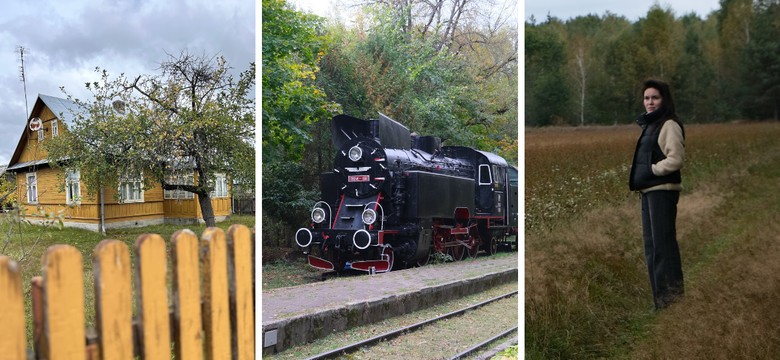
284 273
27 244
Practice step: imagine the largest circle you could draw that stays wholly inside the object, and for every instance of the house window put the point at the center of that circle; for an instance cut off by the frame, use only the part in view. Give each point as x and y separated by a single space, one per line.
40 135
72 187
32 188
131 188
220 186
55 128
179 179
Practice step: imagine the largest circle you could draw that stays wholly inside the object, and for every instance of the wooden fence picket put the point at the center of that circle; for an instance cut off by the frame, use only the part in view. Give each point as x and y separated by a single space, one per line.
12 342
212 289
241 293
39 335
186 293
63 302
152 297
113 299
215 285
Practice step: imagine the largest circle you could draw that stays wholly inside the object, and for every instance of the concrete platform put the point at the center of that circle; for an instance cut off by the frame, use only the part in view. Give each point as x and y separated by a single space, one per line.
301 314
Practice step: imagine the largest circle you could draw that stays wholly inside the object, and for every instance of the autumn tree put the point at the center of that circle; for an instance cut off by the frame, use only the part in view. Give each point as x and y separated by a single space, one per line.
295 117
761 69
547 95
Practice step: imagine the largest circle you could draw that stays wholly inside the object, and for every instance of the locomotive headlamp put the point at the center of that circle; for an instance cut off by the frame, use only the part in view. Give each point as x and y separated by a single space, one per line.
355 153
369 216
318 215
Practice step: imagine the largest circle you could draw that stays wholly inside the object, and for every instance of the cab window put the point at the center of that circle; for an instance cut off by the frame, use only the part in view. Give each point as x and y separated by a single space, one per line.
512 176
484 175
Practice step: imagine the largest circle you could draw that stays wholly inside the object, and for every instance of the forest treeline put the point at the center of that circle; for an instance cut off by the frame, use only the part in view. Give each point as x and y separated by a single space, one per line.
589 69
446 68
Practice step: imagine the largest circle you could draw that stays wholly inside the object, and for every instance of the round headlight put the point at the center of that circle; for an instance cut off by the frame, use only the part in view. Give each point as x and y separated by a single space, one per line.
369 216
318 215
355 153
303 237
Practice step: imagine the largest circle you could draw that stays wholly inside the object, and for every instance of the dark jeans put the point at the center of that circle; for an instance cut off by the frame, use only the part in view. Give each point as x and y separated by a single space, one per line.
659 214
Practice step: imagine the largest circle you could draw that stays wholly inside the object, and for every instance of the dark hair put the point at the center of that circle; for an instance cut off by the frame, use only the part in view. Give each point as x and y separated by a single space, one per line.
667 101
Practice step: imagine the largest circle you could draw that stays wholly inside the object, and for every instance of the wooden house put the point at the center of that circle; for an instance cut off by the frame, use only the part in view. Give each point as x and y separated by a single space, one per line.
42 188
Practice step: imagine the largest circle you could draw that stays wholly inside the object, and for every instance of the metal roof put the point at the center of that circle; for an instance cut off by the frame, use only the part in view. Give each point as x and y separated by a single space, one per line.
65 110
27 164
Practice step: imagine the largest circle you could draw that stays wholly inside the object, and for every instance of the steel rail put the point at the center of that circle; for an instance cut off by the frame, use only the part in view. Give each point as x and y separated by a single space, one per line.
482 344
388 335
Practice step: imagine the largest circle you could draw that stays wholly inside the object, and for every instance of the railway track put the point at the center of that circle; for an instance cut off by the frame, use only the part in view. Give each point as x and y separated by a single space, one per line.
347 349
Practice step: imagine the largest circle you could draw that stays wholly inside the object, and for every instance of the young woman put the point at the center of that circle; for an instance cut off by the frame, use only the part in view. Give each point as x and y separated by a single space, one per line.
655 174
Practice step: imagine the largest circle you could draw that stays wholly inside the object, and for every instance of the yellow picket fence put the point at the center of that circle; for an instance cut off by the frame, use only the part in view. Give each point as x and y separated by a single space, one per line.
212 316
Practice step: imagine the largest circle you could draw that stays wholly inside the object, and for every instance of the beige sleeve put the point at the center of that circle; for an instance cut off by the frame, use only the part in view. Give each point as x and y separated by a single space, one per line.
672 143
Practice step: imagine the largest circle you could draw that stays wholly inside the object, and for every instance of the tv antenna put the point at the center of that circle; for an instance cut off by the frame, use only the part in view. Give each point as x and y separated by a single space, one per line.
22 77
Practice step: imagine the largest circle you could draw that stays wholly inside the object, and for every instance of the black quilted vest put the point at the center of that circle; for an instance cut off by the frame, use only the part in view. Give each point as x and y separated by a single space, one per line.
647 153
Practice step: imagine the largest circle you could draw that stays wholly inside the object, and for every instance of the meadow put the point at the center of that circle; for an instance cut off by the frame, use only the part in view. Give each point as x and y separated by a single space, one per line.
587 292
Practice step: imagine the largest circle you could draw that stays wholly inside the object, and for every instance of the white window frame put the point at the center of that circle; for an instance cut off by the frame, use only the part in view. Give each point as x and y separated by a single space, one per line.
72 187
55 128
179 179
490 175
220 186
32 188
40 134
133 186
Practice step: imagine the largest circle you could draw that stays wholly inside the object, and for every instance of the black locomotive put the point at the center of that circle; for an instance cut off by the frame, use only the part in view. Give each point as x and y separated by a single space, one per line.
397 198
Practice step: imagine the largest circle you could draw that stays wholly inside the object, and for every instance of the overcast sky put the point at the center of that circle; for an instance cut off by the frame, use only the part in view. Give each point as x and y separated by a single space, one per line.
632 10
65 40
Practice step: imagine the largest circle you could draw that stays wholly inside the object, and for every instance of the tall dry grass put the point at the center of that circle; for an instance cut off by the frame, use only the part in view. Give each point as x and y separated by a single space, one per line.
587 292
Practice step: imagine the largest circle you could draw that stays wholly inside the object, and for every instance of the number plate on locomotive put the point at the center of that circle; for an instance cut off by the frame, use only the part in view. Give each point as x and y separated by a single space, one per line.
359 178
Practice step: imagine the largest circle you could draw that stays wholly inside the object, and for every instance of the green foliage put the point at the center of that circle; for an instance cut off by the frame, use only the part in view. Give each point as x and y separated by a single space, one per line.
589 69
508 353
762 67
284 194
292 102
440 258
547 95
7 190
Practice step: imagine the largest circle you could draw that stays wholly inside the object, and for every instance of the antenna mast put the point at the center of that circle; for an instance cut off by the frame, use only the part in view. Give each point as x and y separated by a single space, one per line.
22 78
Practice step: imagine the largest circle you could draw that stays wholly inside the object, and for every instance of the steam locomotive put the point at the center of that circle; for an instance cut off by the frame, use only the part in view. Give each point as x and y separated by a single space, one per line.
395 198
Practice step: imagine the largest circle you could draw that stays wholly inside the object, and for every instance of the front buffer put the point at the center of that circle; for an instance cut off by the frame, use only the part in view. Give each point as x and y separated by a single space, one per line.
339 250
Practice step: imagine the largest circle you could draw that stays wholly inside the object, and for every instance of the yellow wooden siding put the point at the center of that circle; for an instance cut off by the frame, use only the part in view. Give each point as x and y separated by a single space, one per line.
52 199
181 208
32 150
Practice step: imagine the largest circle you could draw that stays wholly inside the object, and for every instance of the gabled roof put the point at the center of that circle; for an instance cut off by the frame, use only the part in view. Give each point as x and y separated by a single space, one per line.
64 109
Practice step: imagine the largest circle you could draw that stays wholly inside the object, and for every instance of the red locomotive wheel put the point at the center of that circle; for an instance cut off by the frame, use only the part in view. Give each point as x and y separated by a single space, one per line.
457 252
474 250
493 245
